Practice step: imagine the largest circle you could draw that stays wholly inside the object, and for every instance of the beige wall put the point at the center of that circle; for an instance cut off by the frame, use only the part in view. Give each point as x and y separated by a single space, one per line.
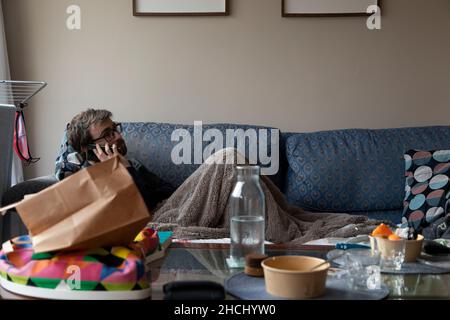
298 74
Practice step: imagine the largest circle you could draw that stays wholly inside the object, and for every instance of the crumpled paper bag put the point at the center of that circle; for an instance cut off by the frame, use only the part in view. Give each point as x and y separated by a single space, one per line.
95 207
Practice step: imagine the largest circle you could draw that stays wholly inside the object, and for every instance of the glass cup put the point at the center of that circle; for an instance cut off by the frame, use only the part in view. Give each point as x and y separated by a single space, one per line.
392 252
363 269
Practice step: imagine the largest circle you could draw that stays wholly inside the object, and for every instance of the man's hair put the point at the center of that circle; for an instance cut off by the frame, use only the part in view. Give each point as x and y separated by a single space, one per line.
78 134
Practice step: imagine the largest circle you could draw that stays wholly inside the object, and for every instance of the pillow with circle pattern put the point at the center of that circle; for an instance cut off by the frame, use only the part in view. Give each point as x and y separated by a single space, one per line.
427 188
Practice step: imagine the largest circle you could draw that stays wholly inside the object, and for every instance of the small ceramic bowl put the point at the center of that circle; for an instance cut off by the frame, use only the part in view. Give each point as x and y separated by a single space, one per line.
292 276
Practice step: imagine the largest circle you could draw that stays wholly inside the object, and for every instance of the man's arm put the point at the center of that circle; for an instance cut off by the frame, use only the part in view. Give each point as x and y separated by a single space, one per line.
153 189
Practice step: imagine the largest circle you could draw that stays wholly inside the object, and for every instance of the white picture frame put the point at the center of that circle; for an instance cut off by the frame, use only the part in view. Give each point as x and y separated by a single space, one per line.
180 7
315 8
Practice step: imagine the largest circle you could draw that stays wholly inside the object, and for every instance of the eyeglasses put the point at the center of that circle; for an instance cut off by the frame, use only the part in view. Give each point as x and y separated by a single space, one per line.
110 133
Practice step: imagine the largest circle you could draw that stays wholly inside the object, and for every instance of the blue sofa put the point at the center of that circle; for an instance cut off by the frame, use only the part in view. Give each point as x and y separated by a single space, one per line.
356 171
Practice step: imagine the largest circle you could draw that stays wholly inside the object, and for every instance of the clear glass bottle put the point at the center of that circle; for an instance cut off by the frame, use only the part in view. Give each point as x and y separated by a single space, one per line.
247 214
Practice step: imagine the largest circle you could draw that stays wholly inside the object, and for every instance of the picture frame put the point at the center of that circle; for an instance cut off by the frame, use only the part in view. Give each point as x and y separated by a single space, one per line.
326 8
181 7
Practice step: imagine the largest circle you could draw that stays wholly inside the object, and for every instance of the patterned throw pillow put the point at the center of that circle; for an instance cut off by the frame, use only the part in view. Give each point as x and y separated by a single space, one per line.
427 188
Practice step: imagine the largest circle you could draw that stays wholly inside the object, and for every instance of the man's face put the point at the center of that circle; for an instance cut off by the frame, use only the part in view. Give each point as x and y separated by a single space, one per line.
105 132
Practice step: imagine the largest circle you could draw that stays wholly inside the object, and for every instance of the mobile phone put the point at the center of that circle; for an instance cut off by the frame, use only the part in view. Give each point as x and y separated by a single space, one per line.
90 153
193 290
93 146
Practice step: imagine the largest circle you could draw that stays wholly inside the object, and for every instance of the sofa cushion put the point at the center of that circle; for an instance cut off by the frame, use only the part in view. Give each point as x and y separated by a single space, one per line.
354 170
427 188
151 144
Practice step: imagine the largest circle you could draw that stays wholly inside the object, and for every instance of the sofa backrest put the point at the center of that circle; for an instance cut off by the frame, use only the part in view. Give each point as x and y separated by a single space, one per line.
354 170
151 144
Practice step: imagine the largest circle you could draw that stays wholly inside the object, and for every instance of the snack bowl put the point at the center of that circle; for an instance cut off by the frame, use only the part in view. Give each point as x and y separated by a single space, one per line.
295 277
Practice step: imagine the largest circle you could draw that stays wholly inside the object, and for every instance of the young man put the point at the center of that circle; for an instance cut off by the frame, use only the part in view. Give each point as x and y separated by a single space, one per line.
93 137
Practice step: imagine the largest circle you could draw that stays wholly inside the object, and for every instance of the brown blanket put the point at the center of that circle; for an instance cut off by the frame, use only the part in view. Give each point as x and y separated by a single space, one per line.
199 209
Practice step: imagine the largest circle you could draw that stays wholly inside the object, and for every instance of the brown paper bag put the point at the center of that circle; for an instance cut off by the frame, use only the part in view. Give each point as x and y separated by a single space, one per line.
95 207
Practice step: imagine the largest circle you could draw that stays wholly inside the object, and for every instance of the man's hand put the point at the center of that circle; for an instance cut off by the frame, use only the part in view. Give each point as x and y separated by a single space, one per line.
109 153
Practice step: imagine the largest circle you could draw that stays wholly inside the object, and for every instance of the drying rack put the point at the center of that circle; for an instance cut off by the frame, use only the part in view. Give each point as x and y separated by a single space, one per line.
14 97
18 93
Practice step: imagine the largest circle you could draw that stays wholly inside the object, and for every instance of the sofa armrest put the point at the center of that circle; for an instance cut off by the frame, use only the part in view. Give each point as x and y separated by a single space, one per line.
10 224
17 192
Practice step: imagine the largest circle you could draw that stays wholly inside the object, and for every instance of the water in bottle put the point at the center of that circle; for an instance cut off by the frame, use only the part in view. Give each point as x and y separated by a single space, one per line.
247 225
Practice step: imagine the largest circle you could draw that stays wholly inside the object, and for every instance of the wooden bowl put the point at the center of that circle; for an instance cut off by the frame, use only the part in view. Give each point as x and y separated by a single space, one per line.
292 277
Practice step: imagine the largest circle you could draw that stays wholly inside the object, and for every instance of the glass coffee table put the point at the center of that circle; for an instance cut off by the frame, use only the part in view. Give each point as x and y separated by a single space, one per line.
195 261
189 261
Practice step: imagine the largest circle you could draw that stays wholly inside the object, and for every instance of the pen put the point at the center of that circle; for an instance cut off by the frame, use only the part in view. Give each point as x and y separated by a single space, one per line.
345 246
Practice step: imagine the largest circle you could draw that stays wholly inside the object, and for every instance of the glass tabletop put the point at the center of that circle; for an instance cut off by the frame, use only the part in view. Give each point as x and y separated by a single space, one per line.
208 262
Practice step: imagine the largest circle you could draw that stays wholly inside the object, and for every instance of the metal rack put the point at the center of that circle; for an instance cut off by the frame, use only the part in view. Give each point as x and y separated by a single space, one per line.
18 93
14 96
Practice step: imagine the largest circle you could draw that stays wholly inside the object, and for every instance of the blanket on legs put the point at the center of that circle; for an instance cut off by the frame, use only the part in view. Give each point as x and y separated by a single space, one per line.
199 208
